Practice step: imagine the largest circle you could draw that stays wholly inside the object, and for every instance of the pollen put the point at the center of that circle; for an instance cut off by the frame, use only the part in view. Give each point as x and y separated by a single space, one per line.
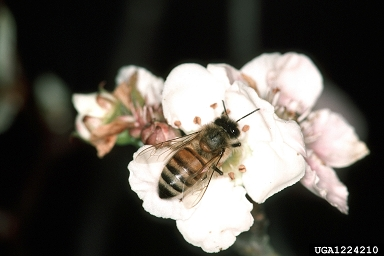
245 128
177 123
242 168
197 120
228 111
231 175
214 105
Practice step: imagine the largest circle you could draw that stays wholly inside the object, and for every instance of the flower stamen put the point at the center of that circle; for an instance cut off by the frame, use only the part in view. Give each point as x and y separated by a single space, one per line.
197 120
245 128
242 168
177 123
231 175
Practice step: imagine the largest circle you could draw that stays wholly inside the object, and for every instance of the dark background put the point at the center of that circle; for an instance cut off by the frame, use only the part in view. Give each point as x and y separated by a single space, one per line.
65 201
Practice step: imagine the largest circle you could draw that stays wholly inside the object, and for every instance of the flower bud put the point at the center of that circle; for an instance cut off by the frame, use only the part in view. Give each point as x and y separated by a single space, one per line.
158 132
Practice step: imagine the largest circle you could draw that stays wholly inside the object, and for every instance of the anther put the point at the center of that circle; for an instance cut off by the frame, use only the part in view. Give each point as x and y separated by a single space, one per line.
245 128
231 175
214 105
197 120
177 123
242 168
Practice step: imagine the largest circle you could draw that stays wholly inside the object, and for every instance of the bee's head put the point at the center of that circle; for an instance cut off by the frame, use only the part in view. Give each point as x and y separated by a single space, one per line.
230 126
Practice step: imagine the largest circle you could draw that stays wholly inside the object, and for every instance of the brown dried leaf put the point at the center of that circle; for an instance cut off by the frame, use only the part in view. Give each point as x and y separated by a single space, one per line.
104 137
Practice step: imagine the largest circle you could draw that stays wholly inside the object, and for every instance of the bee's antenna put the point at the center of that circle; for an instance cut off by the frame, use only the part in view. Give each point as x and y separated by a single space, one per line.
248 114
224 108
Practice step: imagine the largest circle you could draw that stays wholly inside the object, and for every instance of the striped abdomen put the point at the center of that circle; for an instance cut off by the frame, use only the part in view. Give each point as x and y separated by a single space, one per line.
176 175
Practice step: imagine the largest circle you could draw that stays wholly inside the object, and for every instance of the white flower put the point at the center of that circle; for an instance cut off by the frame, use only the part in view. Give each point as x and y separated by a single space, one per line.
269 159
292 83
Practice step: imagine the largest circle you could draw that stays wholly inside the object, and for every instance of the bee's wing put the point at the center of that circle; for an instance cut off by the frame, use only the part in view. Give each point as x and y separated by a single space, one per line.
163 151
193 195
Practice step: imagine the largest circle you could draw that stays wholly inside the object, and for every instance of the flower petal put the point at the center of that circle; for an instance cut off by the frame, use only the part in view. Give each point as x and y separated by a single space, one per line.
299 81
81 128
190 97
279 130
271 168
277 146
88 104
257 70
295 76
223 213
225 72
323 181
332 139
144 179
148 84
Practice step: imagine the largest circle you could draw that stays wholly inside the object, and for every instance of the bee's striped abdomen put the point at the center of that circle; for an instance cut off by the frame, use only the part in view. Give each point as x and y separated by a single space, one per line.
175 175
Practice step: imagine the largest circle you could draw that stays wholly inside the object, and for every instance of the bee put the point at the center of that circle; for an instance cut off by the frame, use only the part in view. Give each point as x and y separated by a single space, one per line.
191 160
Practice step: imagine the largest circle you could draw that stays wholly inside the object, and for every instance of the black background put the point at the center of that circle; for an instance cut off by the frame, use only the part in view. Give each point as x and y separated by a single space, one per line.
69 202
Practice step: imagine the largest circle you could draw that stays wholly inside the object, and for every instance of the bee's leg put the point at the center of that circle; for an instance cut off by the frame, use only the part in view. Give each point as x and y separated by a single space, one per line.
218 170
236 145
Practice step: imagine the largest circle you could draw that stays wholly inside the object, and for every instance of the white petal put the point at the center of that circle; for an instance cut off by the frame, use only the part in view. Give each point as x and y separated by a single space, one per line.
292 135
323 181
144 180
225 72
81 128
148 84
86 104
223 213
299 81
266 126
258 68
271 168
277 146
189 92
332 139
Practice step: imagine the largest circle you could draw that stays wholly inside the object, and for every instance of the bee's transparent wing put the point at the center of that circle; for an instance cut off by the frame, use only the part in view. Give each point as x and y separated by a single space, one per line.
193 195
163 151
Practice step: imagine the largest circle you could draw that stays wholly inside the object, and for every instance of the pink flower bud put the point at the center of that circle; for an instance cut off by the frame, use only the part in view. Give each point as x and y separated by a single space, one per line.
157 132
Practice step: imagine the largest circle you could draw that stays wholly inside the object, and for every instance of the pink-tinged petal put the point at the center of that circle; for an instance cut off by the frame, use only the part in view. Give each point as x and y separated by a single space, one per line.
149 86
258 68
192 96
298 80
323 181
332 139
